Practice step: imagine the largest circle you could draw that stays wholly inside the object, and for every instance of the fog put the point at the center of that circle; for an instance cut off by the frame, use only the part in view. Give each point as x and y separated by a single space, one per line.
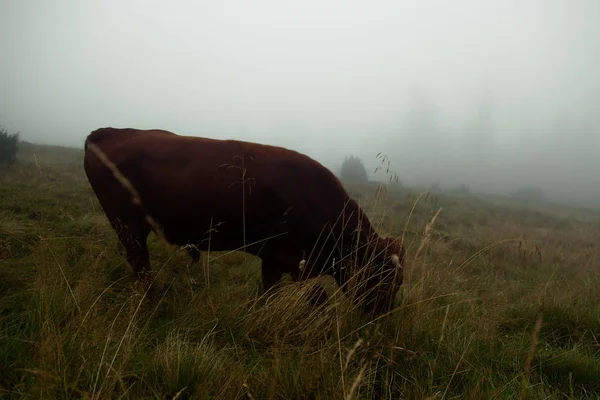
492 94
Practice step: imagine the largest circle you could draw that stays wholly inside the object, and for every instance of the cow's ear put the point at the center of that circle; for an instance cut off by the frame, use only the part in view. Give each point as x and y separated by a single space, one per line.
396 261
302 265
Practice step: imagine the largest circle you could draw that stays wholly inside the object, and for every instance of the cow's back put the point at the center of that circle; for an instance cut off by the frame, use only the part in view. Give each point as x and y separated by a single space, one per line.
120 135
191 184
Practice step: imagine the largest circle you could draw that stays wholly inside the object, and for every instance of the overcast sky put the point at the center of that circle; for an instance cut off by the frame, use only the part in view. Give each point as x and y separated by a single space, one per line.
326 77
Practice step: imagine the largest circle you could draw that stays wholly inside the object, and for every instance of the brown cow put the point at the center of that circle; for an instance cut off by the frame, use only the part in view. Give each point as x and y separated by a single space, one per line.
218 195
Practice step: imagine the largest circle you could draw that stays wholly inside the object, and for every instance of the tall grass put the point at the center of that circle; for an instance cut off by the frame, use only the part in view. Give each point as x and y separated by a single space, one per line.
499 301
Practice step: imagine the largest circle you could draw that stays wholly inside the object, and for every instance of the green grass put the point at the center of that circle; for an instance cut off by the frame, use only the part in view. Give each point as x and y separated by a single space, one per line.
74 324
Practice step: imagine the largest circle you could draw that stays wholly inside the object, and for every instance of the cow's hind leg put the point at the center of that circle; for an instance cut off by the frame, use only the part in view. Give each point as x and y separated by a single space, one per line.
136 247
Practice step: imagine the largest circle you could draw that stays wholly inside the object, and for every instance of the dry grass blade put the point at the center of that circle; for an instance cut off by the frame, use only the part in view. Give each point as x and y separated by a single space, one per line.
457 365
178 394
101 363
351 352
427 234
534 342
356 382
135 197
65 279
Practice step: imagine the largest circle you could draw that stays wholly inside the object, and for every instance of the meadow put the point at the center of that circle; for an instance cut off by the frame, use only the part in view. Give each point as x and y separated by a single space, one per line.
501 300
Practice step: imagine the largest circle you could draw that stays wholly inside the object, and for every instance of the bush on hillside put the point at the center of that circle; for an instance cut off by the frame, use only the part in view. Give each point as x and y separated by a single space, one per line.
353 170
9 146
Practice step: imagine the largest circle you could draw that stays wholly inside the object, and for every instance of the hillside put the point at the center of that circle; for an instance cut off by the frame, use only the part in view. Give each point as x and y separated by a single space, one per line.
500 300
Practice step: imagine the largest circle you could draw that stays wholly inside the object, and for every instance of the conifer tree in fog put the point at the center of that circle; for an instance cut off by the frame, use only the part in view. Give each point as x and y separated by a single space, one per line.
353 170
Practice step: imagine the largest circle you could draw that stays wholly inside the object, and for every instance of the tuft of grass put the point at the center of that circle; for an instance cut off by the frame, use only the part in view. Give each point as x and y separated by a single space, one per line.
17 239
198 369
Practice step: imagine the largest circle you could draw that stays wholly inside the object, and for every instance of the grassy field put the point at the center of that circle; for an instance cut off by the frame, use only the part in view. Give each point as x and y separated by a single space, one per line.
501 300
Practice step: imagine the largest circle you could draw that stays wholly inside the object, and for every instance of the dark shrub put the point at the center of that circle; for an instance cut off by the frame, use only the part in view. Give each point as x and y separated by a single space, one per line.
353 170
9 146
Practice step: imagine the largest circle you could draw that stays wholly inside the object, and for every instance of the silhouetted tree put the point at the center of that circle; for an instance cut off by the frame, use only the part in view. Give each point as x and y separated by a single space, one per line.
9 146
353 170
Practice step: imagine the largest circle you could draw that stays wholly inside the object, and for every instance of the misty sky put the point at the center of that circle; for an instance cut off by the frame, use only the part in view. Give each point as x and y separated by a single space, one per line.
328 78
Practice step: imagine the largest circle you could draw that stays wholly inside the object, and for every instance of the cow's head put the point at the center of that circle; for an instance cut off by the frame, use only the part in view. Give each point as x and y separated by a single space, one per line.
374 284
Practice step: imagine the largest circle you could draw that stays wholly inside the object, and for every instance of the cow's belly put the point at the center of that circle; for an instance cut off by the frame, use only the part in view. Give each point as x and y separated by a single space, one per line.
214 216
218 234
